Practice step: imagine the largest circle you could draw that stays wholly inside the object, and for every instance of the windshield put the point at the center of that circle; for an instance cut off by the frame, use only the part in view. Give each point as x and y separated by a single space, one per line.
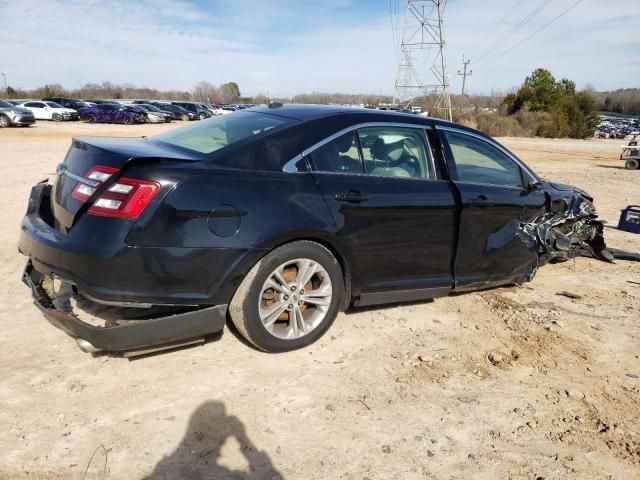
4 104
151 108
54 105
210 135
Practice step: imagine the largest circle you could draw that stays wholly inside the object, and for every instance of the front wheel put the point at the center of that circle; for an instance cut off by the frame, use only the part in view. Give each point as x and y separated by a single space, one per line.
57 117
290 298
632 164
127 120
91 118
202 116
4 121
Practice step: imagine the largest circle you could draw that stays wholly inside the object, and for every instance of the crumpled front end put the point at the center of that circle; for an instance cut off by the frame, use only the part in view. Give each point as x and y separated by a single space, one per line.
568 229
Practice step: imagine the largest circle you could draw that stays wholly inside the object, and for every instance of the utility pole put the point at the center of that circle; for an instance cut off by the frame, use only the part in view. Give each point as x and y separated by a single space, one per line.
422 66
6 89
464 74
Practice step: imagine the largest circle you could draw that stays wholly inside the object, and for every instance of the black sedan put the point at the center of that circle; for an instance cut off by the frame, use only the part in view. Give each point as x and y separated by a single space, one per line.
282 216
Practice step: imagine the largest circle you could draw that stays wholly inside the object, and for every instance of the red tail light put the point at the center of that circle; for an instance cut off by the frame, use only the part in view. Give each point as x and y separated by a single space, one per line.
126 198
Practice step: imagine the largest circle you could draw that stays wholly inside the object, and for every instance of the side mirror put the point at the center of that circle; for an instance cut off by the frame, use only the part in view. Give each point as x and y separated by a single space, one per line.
534 186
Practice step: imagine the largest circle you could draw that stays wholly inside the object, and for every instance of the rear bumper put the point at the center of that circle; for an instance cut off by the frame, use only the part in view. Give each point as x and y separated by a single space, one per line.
145 333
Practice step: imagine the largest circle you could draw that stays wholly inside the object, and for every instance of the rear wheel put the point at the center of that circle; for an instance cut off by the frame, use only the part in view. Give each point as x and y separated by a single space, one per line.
91 118
57 117
632 164
290 298
4 121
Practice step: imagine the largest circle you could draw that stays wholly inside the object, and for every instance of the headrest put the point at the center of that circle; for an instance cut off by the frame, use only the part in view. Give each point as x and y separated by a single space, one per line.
388 148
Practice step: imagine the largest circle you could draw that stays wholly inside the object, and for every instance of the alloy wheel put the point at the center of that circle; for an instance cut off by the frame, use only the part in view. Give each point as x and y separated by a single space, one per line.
295 298
4 121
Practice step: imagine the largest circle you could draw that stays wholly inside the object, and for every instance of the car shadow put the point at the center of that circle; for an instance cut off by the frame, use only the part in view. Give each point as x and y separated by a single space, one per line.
616 167
198 454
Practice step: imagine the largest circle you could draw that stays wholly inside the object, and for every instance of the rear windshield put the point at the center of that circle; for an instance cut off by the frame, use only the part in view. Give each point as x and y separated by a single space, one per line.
210 135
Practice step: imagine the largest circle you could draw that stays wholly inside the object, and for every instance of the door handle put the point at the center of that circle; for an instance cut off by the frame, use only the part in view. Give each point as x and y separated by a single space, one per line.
351 196
480 200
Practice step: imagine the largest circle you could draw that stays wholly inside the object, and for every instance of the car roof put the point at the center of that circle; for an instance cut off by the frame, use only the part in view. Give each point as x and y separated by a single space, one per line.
303 112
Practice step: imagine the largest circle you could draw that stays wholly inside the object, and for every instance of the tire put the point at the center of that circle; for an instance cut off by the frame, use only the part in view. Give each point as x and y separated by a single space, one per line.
254 298
127 120
201 116
91 118
56 117
4 121
632 164
185 118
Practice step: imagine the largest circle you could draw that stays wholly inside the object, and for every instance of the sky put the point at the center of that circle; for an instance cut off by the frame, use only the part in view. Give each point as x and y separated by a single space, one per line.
285 47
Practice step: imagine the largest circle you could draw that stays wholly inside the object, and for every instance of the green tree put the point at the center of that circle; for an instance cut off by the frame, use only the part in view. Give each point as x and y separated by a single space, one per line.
567 113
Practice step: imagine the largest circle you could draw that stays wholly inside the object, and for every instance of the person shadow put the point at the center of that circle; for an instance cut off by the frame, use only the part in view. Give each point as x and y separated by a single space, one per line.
197 456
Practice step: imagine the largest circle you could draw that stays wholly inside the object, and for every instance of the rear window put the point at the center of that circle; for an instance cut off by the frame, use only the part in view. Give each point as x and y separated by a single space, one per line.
210 135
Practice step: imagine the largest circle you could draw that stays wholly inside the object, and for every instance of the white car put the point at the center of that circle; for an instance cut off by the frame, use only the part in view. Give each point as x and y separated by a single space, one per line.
49 111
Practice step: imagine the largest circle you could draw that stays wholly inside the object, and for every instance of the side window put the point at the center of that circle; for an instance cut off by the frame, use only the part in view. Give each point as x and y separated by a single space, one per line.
339 155
396 152
478 161
31 104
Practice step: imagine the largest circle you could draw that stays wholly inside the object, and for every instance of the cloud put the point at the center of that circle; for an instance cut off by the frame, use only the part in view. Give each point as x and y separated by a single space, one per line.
287 46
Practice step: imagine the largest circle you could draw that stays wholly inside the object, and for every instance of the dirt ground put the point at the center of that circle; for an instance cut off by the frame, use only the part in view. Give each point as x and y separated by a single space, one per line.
511 383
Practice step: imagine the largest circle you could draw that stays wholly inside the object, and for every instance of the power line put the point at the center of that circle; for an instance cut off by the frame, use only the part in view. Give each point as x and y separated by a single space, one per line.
520 24
499 22
533 34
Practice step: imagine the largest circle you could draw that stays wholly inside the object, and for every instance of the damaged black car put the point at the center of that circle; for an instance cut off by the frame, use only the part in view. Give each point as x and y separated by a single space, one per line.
279 217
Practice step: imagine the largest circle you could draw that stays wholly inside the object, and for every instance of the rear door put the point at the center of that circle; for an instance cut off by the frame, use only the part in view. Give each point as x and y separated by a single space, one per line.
392 210
498 196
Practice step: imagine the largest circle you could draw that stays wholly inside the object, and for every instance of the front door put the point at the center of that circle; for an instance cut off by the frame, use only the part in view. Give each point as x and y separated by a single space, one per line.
390 208
497 200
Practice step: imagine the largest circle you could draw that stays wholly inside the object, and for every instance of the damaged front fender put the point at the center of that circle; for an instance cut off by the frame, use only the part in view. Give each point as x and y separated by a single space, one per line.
568 228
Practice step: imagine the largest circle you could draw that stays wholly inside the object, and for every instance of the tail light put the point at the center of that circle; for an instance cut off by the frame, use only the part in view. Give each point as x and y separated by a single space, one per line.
126 198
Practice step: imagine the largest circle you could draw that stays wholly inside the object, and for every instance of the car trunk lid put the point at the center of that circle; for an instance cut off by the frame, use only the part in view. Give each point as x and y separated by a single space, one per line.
111 155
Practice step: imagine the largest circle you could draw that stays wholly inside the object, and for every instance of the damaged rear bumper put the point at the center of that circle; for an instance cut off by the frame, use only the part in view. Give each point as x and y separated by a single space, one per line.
131 336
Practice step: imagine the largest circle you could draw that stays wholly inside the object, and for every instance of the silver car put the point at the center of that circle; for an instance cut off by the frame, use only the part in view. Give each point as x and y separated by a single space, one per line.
12 116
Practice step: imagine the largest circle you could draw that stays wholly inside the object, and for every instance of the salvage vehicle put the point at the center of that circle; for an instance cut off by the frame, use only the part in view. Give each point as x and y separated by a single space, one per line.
631 154
194 108
71 103
13 116
283 215
178 112
165 115
50 111
110 113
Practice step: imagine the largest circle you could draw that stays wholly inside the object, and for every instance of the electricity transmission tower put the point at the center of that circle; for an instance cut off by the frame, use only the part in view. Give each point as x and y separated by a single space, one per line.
422 66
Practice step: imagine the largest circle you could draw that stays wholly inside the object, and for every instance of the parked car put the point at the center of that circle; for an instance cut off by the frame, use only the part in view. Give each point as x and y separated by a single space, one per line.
152 117
166 115
71 103
141 113
110 113
12 116
284 215
194 108
178 112
50 111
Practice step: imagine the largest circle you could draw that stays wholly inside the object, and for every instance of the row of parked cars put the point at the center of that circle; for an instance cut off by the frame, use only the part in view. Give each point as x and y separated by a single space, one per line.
25 112
616 127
